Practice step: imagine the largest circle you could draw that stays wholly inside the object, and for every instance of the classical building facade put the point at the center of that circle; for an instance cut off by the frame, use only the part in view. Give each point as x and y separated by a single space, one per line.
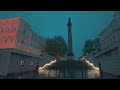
20 47
16 33
109 56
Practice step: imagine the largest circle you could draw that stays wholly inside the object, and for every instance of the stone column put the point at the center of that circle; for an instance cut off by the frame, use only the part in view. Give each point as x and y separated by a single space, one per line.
70 55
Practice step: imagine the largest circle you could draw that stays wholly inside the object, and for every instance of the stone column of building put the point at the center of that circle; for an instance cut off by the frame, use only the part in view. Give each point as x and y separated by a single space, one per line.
70 54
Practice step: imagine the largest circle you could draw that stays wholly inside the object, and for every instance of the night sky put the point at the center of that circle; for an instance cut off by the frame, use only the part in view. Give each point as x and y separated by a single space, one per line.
85 24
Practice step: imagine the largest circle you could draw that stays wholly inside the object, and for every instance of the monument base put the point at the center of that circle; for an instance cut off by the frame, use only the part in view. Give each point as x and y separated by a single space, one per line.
70 56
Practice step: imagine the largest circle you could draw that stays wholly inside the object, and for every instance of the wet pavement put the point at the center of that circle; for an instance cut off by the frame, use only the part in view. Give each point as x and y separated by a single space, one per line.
57 74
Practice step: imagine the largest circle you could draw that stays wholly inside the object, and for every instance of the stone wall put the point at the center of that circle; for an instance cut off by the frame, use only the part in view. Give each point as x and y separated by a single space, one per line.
4 61
15 61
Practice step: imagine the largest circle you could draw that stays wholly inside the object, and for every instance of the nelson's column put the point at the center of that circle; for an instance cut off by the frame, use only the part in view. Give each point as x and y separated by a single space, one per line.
70 55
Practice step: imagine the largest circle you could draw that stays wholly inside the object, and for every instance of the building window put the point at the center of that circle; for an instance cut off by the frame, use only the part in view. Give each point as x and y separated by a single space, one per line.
8 29
113 38
34 45
31 63
14 29
25 26
24 31
12 39
36 38
32 35
5 40
1 30
42 50
22 41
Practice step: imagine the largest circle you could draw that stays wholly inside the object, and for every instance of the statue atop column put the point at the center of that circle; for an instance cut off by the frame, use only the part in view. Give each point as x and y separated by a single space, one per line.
70 55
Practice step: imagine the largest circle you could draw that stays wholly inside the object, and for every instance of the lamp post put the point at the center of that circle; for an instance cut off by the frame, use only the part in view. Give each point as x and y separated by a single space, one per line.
32 65
36 69
22 64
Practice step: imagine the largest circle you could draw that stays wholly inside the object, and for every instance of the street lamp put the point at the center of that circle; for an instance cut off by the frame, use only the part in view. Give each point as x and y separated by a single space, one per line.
36 69
22 64
37 66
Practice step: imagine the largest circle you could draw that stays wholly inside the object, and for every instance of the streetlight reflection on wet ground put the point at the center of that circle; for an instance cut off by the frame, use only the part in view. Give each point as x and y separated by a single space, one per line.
69 74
